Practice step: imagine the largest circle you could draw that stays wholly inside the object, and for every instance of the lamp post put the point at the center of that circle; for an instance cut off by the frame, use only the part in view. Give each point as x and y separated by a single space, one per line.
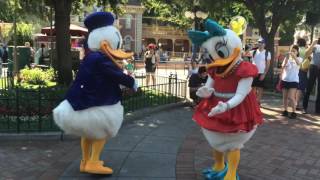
15 56
197 16
52 49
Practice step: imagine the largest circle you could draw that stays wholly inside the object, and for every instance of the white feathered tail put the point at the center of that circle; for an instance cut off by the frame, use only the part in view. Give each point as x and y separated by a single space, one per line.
96 122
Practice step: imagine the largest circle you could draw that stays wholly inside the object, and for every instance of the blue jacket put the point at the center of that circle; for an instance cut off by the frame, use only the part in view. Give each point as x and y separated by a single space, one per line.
97 83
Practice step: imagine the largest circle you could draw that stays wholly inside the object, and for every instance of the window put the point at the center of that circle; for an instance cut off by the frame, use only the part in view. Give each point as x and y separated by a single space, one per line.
128 18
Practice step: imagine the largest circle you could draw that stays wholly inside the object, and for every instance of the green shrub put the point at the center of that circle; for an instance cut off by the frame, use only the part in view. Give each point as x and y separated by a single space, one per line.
37 76
50 75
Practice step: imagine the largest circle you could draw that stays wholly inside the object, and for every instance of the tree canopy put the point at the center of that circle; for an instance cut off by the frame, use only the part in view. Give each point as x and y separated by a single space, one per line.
170 11
25 10
268 16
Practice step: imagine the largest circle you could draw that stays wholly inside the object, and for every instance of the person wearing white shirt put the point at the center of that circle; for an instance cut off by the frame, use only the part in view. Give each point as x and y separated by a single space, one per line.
193 69
261 58
290 80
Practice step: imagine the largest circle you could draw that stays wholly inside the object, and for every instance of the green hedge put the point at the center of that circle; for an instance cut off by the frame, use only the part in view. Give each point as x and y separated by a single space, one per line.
30 110
37 76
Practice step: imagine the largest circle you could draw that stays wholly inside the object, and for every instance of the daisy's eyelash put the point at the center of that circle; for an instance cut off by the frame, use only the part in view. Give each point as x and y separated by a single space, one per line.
225 42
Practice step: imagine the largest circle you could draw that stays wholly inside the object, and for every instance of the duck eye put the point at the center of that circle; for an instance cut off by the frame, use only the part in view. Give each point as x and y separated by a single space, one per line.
222 50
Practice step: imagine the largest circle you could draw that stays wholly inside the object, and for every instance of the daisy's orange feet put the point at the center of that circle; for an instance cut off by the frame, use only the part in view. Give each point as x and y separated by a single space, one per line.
96 167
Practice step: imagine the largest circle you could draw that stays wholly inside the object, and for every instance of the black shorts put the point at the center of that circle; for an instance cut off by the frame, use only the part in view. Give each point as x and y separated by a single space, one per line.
257 83
151 68
289 85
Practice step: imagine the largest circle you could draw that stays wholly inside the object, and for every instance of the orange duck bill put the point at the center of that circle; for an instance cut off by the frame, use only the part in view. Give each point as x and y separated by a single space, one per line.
226 63
116 55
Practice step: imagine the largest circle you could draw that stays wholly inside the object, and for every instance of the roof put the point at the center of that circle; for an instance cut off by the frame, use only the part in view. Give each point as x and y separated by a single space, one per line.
75 30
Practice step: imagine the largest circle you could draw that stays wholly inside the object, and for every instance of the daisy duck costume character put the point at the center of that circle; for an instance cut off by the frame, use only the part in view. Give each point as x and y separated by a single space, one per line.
229 113
92 108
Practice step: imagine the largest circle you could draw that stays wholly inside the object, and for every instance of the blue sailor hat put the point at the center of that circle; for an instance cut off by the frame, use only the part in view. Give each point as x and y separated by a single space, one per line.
98 20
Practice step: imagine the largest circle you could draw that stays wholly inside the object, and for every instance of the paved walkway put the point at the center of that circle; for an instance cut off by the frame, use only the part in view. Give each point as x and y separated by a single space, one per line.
31 159
168 145
281 149
145 149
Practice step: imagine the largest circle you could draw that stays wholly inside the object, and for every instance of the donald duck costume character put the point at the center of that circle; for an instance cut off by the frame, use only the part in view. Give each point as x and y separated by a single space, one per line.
92 108
229 113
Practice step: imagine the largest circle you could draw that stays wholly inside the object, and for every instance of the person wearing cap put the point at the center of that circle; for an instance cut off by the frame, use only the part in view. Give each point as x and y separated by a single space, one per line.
261 58
92 107
151 60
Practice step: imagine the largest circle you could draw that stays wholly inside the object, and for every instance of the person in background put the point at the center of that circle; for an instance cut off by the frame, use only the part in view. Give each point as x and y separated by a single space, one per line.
5 54
193 69
204 57
41 54
185 57
32 53
314 74
196 81
128 67
303 74
161 55
151 60
143 50
247 56
261 58
290 80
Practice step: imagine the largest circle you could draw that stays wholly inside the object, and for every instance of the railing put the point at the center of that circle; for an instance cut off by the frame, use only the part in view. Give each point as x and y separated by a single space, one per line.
171 90
30 110
6 77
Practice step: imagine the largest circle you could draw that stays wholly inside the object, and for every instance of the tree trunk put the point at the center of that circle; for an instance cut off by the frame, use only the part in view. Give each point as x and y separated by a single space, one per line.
271 79
63 48
312 31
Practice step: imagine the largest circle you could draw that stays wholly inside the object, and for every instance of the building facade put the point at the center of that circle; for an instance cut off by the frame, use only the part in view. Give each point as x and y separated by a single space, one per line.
130 25
138 32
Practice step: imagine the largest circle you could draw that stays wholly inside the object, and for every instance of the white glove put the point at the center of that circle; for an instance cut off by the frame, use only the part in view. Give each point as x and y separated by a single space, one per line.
221 107
204 92
135 86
